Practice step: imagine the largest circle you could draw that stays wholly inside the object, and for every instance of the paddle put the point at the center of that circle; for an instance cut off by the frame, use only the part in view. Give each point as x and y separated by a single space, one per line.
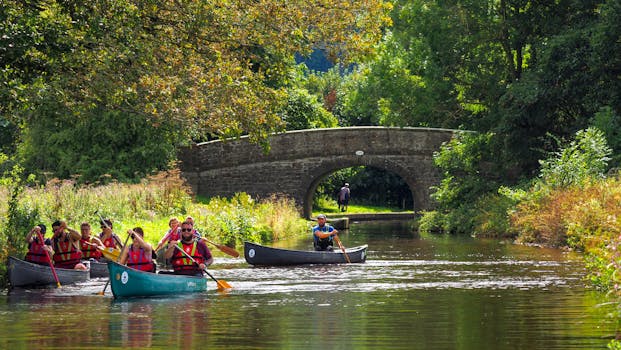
103 292
108 252
222 284
338 241
225 249
166 237
101 219
49 259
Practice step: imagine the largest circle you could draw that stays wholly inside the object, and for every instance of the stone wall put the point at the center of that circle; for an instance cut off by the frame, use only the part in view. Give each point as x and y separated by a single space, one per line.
299 160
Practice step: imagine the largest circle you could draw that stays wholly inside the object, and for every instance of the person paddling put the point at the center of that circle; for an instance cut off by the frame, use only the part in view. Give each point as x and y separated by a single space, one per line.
38 251
323 234
173 233
67 253
108 237
138 255
90 246
197 249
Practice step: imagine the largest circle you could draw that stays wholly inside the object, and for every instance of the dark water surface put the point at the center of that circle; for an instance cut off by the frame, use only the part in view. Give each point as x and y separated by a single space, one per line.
430 292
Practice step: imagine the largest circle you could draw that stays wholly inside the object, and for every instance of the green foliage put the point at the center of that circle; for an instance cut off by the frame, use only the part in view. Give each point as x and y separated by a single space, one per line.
19 219
89 148
467 197
304 111
469 164
614 345
491 217
601 271
609 123
181 71
584 159
432 221
549 213
390 91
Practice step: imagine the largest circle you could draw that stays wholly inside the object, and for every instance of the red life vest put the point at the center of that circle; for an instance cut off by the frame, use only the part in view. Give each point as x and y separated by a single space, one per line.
174 236
138 260
88 250
36 254
182 263
66 255
109 242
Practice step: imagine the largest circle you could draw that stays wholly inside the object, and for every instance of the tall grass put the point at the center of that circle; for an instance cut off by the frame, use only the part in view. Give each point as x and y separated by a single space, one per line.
583 217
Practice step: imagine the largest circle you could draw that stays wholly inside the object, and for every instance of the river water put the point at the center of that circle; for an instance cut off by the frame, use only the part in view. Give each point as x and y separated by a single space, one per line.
414 292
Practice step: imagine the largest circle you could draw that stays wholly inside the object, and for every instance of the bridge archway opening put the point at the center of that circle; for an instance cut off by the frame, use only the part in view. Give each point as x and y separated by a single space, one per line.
369 185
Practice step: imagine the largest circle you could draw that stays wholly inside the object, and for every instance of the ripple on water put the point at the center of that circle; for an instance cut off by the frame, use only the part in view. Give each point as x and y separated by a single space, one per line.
376 275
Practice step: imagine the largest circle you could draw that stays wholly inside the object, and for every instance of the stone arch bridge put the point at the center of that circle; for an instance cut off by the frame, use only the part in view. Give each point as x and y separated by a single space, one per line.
299 160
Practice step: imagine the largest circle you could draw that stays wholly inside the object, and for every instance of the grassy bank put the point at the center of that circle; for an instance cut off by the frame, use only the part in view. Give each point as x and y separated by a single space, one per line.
149 205
326 205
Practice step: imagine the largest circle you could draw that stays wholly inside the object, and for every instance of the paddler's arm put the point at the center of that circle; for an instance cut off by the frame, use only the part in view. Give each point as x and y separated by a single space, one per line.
75 235
32 234
324 235
206 253
140 242
171 249
124 254
165 239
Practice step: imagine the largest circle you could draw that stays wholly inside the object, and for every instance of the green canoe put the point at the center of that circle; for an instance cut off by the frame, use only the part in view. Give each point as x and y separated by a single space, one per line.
127 282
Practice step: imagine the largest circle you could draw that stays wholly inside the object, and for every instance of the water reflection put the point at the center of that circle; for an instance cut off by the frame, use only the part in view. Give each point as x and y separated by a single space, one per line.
136 328
428 292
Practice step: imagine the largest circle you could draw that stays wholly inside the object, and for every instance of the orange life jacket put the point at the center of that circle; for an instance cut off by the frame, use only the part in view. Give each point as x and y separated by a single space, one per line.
182 263
88 250
109 242
66 255
36 253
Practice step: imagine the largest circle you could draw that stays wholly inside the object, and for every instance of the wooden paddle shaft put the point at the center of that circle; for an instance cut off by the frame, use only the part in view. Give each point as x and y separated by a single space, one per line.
49 259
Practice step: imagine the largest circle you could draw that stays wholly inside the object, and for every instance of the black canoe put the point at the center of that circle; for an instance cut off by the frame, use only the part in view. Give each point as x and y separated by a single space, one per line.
256 254
23 273
99 268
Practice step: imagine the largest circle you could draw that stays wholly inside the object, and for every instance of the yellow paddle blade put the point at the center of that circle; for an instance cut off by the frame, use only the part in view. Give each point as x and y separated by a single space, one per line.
111 253
223 285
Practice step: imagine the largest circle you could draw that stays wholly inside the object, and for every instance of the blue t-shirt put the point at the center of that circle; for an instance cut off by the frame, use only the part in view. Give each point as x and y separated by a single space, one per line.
326 229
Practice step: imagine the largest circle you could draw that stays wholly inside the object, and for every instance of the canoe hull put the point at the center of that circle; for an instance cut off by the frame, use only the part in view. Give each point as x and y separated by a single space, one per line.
256 254
99 269
26 274
128 283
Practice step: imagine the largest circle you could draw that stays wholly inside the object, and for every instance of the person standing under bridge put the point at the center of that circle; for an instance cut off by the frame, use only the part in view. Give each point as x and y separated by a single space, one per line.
343 197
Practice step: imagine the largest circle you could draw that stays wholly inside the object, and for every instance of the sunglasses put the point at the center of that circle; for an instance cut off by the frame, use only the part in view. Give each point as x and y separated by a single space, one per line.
186 230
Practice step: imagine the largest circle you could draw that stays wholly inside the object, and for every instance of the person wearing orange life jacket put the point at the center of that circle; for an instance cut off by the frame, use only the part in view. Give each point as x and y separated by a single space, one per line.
197 249
107 237
89 245
138 254
65 241
38 252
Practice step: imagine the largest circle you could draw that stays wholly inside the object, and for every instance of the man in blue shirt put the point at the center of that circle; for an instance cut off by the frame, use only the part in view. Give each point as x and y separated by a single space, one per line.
323 234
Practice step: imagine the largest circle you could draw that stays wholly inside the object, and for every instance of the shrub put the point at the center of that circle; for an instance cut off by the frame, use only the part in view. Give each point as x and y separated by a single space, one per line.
431 221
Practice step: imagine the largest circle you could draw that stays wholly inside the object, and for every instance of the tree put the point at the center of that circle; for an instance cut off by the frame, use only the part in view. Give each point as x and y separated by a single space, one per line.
191 70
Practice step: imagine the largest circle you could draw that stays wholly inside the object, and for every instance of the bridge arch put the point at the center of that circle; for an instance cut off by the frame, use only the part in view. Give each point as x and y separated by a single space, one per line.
299 160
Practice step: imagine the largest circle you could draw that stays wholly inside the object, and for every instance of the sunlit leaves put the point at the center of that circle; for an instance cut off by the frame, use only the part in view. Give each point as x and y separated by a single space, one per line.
208 68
